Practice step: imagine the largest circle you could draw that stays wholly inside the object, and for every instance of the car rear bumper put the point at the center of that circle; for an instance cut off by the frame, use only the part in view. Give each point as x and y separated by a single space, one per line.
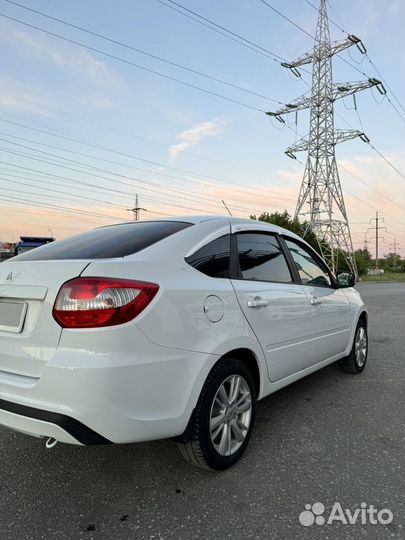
42 423
126 393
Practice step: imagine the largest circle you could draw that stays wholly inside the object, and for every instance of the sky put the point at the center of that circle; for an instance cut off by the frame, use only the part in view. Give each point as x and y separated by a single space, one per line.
83 130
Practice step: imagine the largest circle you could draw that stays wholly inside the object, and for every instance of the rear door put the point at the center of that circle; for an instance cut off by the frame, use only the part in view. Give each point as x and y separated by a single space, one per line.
331 314
275 306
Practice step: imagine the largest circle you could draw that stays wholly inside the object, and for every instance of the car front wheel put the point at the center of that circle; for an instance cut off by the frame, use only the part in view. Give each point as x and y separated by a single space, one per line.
356 361
222 422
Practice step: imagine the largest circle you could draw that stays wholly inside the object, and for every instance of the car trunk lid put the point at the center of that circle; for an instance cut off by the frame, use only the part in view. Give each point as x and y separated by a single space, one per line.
29 335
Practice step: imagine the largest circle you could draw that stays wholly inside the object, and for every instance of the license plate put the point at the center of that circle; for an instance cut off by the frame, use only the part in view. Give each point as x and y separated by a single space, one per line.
12 316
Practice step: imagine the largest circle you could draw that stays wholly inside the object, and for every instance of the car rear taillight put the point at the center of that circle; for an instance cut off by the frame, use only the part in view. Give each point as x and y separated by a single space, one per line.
91 302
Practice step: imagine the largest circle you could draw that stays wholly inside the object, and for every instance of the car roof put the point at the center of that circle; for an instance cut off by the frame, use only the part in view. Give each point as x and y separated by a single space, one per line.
235 222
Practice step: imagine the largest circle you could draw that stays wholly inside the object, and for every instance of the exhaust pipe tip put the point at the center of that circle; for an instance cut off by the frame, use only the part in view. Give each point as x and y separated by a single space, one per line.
50 443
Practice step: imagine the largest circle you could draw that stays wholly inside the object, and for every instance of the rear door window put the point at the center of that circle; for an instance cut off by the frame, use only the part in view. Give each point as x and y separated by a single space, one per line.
106 242
213 259
261 258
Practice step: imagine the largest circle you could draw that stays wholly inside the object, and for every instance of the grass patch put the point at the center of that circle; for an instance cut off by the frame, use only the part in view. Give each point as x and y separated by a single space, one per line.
387 276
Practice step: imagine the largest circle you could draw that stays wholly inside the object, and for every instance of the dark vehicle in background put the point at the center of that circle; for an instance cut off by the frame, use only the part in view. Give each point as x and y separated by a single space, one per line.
31 242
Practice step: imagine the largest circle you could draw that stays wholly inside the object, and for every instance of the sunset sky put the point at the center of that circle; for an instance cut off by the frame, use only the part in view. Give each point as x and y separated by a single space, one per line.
82 132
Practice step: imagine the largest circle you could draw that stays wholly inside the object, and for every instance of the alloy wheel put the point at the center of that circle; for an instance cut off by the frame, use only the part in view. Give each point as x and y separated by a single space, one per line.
360 346
230 416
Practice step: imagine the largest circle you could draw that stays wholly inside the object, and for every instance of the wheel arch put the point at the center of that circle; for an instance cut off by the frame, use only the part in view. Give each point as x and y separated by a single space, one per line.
248 358
364 317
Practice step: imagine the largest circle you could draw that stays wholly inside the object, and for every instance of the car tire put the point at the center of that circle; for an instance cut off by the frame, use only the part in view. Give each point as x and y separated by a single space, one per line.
222 421
357 359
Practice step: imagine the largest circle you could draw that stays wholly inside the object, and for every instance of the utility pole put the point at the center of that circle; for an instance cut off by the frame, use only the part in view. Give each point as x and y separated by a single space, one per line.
321 188
377 238
365 242
136 209
395 256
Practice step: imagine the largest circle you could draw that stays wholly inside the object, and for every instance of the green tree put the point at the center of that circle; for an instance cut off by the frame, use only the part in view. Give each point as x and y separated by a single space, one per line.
363 260
283 219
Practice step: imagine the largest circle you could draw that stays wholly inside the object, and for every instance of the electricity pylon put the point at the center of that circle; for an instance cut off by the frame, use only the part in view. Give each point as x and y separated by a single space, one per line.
136 209
321 188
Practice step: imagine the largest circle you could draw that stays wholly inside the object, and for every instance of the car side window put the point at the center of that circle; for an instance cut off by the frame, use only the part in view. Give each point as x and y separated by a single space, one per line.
213 259
309 269
261 258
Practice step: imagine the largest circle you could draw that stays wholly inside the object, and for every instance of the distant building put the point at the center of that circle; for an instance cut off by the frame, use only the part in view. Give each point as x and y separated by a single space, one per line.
7 250
375 271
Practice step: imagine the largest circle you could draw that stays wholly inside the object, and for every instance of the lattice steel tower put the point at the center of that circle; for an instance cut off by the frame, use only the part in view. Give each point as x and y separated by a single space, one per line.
321 188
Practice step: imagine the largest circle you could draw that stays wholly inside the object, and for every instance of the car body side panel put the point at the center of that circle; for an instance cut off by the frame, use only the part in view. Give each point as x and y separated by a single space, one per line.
332 321
283 327
176 317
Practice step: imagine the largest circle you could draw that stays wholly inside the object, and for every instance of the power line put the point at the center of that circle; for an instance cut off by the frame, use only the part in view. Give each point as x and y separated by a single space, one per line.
385 82
64 208
338 55
221 30
317 9
370 61
77 197
115 130
286 18
387 161
72 196
155 184
211 179
181 193
95 189
370 186
133 64
25 223
364 202
21 154
81 164
361 180
310 35
140 51
374 148
99 188
368 76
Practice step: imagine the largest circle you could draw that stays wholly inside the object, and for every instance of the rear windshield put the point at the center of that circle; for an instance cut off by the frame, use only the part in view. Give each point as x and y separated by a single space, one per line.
106 242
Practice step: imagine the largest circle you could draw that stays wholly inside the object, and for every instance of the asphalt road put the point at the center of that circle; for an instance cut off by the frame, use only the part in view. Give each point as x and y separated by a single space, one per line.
331 437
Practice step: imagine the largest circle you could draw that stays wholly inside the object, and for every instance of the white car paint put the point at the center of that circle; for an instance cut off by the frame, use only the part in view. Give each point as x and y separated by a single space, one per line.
141 380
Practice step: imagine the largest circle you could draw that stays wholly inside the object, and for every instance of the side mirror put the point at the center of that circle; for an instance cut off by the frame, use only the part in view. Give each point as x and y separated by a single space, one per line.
345 280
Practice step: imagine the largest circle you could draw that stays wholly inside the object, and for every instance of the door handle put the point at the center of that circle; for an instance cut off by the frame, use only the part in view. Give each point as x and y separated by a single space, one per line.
315 301
257 302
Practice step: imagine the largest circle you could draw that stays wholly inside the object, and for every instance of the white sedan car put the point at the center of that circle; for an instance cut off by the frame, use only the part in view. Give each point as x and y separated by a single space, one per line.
169 328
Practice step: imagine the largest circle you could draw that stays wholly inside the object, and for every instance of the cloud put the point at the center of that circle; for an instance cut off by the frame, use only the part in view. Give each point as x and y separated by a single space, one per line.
66 57
100 102
15 96
191 137
394 8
